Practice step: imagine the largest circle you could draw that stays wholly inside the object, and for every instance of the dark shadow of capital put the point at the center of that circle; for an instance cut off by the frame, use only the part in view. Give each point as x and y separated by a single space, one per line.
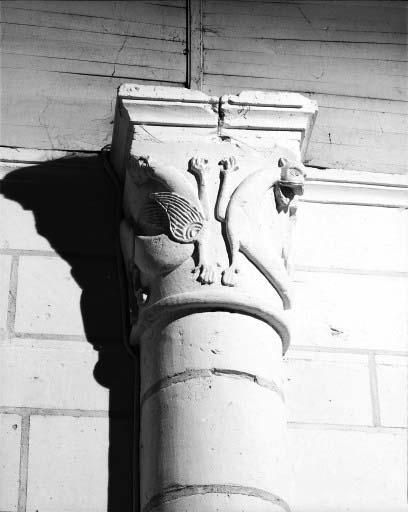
76 209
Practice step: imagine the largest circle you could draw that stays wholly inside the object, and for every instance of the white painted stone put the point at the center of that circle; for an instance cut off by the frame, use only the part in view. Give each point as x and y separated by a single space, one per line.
328 388
48 298
274 111
202 341
32 342
357 187
50 378
265 140
199 369
219 502
171 113
355 193
5 267
271 99
146 106
194 371
348 471
179 134
68 464
347 236
364 178
18 229
210 289
350 311
22 157
392 377
10 433
220 430
157 93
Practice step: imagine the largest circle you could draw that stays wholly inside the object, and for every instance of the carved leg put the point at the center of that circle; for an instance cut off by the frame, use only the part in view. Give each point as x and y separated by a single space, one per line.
229 276
207 271
228 167
200 168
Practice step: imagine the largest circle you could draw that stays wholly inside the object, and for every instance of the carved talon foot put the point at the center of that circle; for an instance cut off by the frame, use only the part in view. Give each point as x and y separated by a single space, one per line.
229 276
199 166
228 164
207 274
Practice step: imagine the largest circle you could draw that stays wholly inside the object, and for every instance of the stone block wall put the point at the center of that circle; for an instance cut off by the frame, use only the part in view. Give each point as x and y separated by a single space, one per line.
346 386
67 382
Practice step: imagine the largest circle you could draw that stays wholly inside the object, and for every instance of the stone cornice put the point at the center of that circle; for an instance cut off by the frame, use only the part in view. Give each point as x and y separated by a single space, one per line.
337 186
162 93
257 120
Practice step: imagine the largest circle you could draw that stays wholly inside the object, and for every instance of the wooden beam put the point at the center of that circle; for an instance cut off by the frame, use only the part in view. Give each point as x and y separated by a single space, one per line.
194 45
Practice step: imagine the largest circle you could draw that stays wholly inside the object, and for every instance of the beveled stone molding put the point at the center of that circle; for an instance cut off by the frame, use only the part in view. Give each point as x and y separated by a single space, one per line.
262 117
335 186
157 106
210 193
259 119
176 304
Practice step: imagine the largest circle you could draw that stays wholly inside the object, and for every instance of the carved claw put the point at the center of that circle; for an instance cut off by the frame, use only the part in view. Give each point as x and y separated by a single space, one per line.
199 166
143 161
207 274
229 276
229 164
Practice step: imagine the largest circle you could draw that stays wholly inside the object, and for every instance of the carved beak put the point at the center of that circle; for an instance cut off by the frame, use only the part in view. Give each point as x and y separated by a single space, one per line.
290 189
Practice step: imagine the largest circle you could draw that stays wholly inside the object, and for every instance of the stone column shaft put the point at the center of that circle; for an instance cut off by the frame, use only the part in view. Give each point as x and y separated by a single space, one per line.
213 418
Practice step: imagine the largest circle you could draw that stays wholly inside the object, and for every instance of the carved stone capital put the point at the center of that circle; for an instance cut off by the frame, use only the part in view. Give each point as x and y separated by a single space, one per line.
209 196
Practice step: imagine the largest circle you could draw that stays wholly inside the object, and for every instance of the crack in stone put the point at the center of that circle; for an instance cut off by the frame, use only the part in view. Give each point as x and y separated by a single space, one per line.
181 491
208 373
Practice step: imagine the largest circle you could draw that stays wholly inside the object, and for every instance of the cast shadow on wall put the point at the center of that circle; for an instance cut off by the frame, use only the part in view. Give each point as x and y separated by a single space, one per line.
75 206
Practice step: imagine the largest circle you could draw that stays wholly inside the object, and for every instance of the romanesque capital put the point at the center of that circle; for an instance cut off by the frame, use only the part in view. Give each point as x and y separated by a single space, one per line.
210 193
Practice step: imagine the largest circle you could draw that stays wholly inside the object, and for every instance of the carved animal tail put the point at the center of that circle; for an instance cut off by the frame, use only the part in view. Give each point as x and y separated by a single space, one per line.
272 268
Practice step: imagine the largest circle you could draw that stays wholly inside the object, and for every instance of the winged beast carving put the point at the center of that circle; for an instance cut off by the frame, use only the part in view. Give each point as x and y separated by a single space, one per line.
185 208
252 212
238 212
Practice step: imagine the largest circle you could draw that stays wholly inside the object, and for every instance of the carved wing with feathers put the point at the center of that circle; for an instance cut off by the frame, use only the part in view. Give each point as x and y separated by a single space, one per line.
185 220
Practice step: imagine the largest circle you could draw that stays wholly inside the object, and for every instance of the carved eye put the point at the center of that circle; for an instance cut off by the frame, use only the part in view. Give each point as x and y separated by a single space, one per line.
143 161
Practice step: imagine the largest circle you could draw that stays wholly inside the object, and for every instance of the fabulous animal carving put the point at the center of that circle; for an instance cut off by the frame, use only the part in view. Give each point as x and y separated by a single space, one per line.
242 230
187 211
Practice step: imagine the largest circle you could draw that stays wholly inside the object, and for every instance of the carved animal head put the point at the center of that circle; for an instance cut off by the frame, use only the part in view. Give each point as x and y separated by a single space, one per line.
293 173
291 183
140 168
